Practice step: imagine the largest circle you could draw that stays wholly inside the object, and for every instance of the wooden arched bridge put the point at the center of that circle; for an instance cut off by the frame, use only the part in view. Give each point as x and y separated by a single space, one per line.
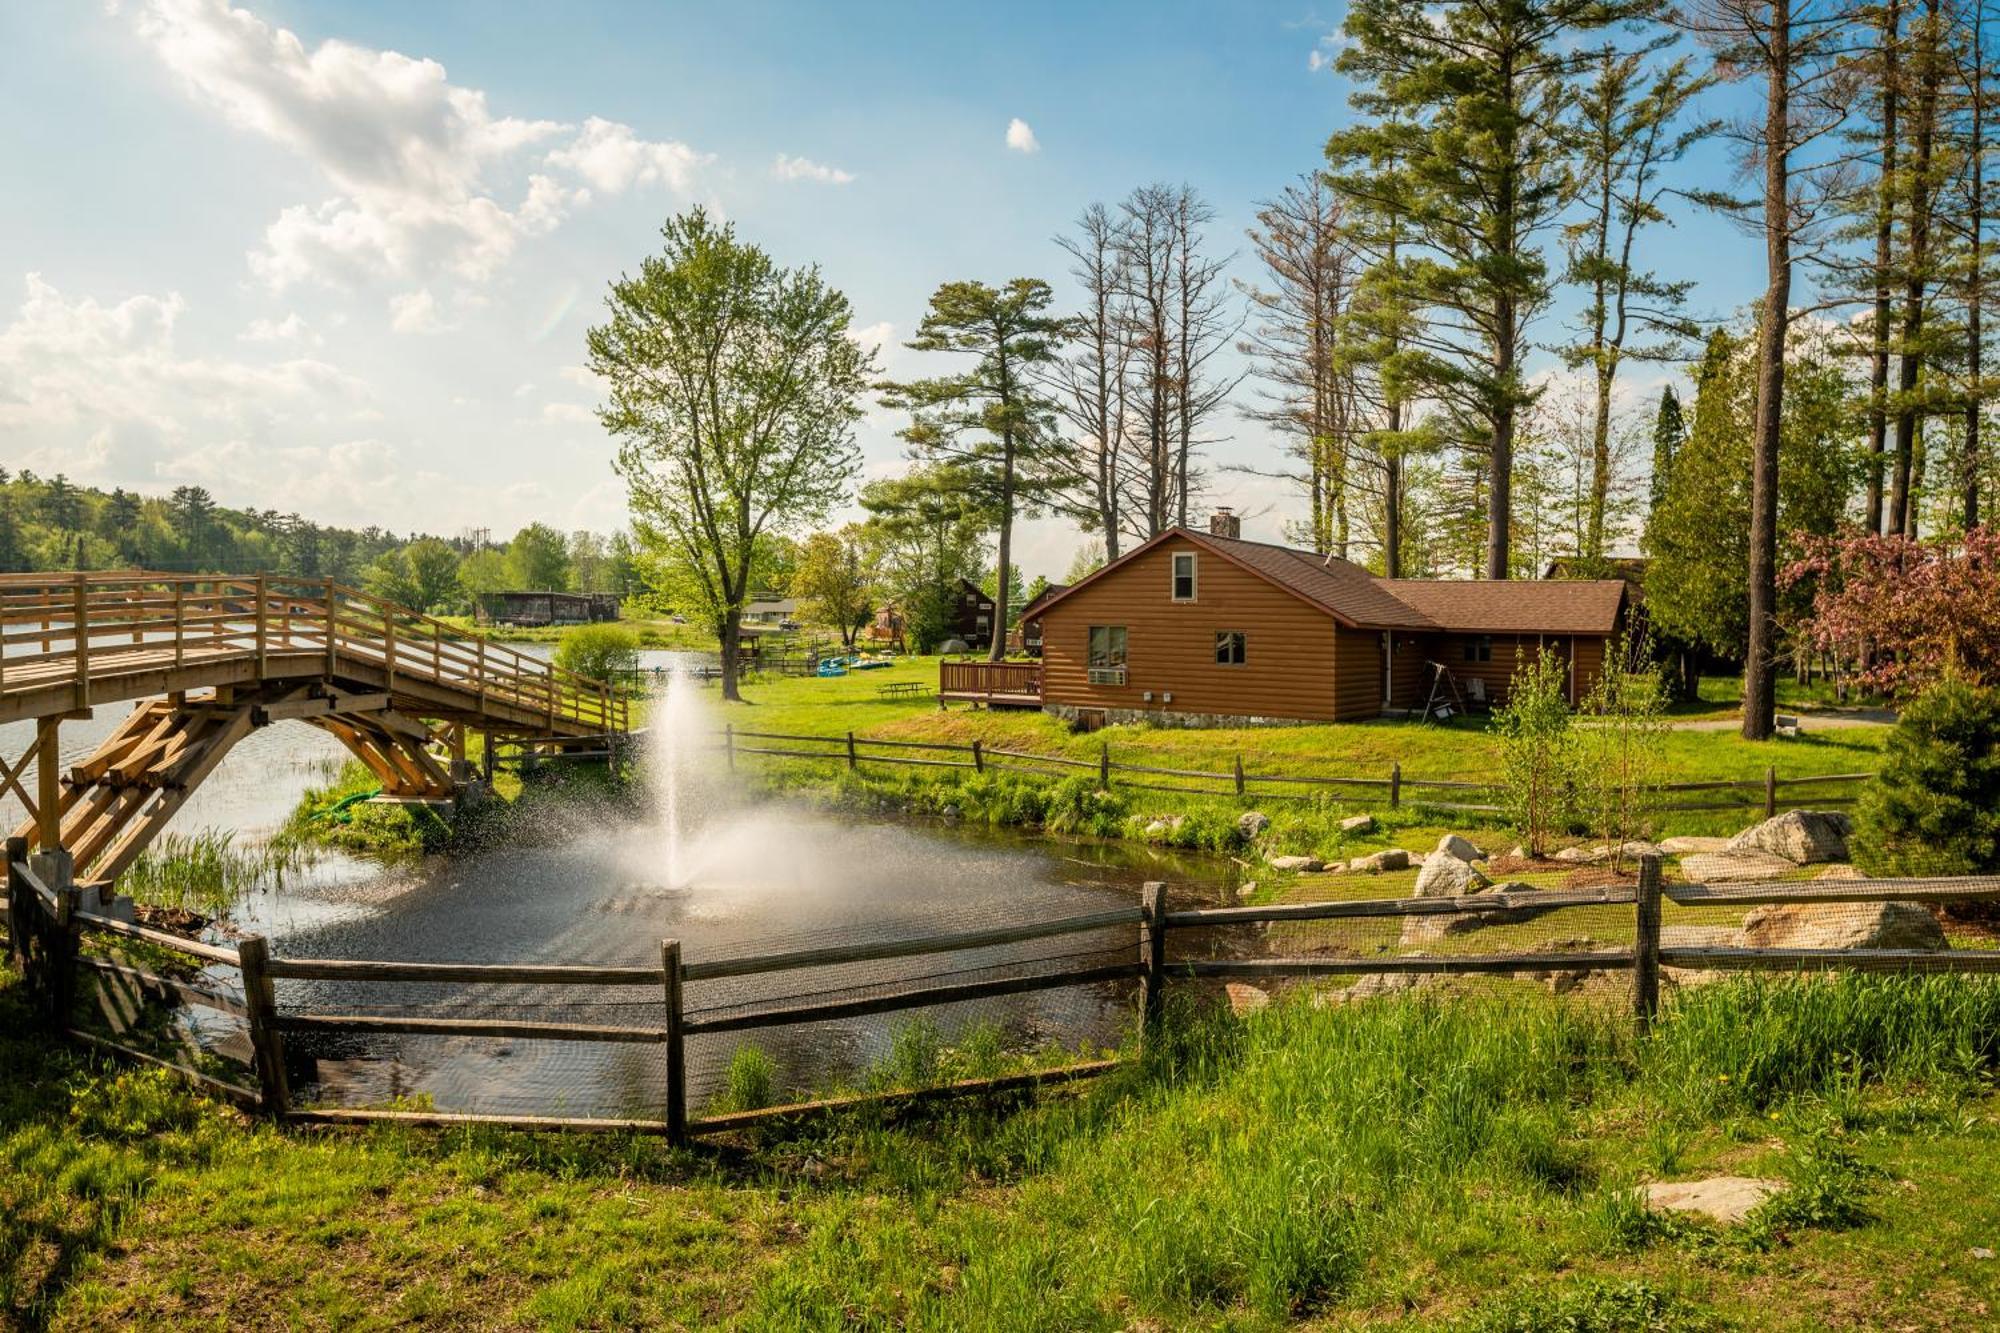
209 658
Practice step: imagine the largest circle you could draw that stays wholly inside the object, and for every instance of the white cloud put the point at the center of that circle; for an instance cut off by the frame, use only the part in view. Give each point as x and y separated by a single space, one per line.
409 155
805 169
568 414
1021 138
104 387
582 375
415 312
613 158
290 329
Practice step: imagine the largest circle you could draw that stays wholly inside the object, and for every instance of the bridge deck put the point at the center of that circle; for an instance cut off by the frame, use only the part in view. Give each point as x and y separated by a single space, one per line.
216 656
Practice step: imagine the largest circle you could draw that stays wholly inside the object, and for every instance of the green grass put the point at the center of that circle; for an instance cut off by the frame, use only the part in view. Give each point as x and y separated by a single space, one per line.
1411 1163
207 871
1463 750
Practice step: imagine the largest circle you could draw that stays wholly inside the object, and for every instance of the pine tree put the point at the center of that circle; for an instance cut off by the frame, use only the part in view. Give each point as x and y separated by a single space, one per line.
1475 100
1699 536
1669 433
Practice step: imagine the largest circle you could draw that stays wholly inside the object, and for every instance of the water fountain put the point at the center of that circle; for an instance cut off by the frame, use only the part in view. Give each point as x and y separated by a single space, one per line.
680 730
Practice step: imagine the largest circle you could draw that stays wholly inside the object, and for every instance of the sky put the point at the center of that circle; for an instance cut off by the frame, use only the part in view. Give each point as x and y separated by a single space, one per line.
339 258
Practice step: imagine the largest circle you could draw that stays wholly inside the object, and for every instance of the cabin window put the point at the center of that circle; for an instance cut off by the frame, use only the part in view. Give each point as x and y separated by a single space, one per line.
1184 576
1107 654
1229 647
1479 648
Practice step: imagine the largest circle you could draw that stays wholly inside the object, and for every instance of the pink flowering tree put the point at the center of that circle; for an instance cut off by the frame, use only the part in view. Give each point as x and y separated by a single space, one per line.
1904 613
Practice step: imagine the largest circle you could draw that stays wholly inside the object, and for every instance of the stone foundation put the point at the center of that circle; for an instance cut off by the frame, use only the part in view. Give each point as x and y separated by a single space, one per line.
1167 717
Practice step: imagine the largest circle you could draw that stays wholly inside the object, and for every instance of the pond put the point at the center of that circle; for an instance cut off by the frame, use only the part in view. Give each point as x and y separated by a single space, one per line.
701 862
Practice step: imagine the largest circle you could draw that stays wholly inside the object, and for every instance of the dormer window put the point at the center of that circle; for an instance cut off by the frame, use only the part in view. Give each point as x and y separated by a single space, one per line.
1184 576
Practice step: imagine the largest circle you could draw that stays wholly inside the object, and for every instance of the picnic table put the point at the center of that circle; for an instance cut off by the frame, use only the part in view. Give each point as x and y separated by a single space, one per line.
902 689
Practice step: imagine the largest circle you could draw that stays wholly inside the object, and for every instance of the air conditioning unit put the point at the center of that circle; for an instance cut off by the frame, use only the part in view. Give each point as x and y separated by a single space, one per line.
1107 675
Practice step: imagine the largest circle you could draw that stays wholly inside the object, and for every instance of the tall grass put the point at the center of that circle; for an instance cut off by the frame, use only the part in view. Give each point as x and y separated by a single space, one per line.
1250 1173
208 871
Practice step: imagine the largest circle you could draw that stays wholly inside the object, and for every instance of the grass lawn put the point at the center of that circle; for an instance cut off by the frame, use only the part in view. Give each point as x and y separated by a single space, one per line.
1408 1163
1462 750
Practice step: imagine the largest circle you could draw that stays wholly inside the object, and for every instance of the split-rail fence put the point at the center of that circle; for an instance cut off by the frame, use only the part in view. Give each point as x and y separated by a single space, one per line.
48 927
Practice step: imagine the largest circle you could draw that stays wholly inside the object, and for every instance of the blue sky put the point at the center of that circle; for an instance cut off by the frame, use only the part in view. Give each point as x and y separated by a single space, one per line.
340 257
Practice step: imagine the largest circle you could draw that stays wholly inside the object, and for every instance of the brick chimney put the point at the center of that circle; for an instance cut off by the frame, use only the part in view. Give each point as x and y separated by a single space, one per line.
1223 523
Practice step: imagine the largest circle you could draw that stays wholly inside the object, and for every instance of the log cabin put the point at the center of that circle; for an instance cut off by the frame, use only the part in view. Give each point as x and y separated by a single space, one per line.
1205 628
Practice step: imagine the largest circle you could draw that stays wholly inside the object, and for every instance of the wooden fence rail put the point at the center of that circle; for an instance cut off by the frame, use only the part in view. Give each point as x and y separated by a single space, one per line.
853 750
45 925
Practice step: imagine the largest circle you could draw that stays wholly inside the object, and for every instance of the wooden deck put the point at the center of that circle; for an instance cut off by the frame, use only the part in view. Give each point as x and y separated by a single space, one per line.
216 656
995 684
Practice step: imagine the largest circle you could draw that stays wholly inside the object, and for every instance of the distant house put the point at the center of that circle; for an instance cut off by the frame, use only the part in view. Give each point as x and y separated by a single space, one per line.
771 610
886 629
547 608
971 615
1196 625
1031 619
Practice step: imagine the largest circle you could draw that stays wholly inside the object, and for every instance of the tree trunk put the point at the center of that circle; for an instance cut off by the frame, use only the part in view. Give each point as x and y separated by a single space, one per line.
1600 457
1902 515
1760 661
1976 223
1885 218
732 631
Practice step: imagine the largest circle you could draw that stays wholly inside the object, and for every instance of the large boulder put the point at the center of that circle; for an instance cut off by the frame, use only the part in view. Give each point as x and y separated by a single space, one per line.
1444 875
1454 845
1375 985
1430 927
1251 824
1246 1000
1297 864
1606 851
1724 1199
1393 858
1802 837
1841 926
1358 825
1718 867
1682 844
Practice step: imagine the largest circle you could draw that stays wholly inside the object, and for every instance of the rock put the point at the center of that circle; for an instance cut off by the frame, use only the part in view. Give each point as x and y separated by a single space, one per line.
1297 864
1462 848
1357 825
1246 889
1431 927
1724 1199
1841 926
1681 846
1802 837
1841 870
1606 851
1160 828
1375 985
1711 867
952 812
1395 858
1981 1252
1251 824
1519 853
1245 1000
1697 937
1445 874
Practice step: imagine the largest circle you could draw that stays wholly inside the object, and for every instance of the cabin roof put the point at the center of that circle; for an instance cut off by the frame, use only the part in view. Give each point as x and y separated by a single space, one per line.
1357 598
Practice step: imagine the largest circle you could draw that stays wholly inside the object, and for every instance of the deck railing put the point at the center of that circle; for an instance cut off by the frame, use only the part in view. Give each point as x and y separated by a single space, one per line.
987 680
70 630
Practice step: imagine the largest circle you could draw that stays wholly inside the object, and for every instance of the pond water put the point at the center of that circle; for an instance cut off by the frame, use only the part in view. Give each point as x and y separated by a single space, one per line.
701 862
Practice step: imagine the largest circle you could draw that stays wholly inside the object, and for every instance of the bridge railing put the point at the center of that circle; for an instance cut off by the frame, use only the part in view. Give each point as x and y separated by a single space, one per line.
69 628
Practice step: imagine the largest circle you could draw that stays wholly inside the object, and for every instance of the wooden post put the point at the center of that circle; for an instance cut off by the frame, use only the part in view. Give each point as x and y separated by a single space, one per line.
62 949
1646 943
332 628
486 756
389 650
1395 784
482 673
978 758
1770 791
1153 958
1239 772
81 637
729 744
670 968
48 787
263 624
20 904
852 758
1104 765
260 997
180 622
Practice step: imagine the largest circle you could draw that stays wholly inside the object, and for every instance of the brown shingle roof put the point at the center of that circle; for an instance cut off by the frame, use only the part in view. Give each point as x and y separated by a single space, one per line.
1351 594
1515 606
1346 589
